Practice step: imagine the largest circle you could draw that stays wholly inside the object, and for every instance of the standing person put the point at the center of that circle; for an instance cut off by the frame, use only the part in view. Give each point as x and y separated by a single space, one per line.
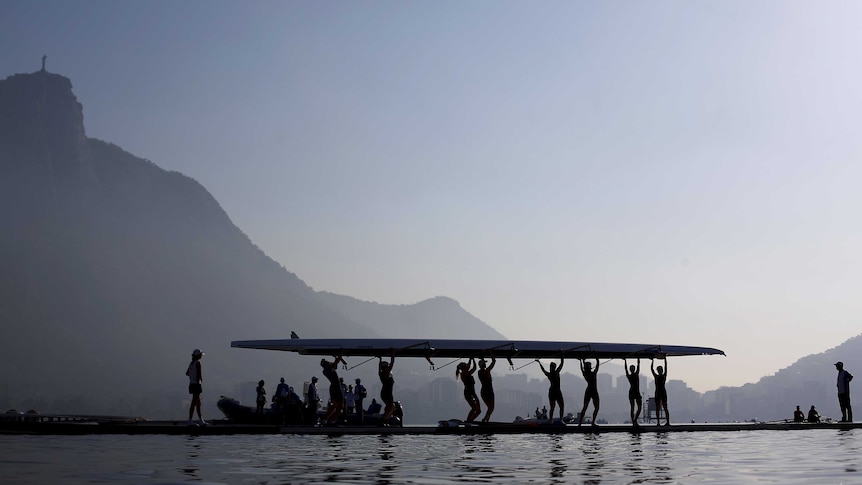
464 372
844 379
633 375
349 400
660 390
261 396
336 395
384 372
555 393
195 374
311 403
359 393
280 397
591 393
487 391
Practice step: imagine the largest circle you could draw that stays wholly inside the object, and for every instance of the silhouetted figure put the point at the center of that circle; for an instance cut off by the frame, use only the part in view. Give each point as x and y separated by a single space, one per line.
844 379
374 407
280 398
660 390
293 335
464 372
633 375
336 395
195 373
398 412
813 415
44 57
591 393
798 415
359 394
261 397
555 393
384 372
312 402
487 390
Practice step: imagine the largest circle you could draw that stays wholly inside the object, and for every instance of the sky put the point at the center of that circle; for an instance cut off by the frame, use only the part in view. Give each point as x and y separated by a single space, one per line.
662 172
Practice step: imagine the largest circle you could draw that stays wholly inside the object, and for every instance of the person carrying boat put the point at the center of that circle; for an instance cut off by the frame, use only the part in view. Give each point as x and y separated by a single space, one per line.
487 390
555 393
384 372
633 375
844 379
336 396
195 373
464 372
591 393
660 389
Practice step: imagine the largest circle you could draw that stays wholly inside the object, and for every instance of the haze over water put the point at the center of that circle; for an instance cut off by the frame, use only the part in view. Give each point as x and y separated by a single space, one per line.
803 457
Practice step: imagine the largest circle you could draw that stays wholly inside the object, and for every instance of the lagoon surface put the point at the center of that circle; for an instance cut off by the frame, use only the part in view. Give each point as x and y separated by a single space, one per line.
807 456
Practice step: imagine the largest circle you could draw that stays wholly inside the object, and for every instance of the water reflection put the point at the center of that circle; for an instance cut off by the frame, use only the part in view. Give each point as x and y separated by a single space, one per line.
388 468
634 458
193 447
558 460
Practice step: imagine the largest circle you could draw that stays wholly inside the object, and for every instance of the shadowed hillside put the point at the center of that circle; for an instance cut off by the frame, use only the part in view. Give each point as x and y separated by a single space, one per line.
114 269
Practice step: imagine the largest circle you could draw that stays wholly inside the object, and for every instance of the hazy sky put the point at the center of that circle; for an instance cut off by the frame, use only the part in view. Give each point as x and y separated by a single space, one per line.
653 172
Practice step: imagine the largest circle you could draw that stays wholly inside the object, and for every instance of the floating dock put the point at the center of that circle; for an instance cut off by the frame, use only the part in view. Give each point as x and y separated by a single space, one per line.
80 425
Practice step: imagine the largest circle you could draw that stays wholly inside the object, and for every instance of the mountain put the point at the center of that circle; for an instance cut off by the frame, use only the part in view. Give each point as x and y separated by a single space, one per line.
113 269
809 381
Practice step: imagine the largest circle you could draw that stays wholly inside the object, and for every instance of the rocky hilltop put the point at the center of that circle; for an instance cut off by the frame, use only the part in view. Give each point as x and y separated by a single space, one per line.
113 269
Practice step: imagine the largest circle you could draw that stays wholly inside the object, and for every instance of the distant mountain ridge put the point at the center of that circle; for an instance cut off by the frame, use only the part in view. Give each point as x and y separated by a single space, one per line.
114 269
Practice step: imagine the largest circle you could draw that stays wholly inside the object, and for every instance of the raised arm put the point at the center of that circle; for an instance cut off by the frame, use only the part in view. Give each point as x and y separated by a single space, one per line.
493 361
542 367
560 367
472 366
652 367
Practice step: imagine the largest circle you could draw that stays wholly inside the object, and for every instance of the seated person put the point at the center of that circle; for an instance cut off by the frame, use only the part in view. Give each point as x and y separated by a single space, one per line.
374 407
798 415
813 415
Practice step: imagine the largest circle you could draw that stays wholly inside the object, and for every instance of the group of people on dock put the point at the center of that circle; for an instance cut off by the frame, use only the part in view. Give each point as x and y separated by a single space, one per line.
346 399
591 393
843 385
465 370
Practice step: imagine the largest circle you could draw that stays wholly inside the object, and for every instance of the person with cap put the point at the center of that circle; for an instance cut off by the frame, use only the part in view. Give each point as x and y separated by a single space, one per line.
359 393
195 374
844 379
813 415
312 398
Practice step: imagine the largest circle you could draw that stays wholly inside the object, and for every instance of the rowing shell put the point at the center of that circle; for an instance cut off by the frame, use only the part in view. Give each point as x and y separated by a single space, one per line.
511 349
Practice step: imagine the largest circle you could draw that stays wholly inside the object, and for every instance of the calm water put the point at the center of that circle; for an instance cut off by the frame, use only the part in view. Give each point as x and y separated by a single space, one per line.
814 456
